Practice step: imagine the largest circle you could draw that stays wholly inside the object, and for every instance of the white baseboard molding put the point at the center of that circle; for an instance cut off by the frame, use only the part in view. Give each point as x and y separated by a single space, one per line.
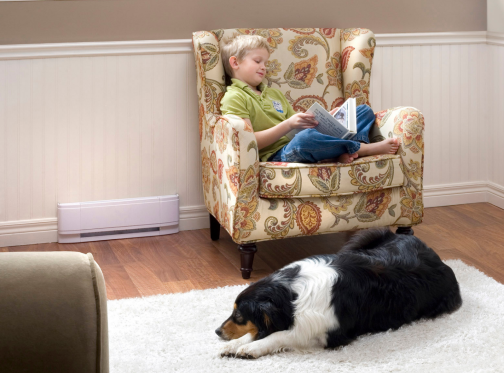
194 217
455 194
29 238
35 231
496 195
29 232
463 193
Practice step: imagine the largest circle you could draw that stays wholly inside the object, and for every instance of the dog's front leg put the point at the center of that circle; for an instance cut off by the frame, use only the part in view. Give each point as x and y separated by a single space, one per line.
272 343
232 346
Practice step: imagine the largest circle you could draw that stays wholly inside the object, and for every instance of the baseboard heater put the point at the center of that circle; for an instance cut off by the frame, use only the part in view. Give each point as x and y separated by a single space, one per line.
115 219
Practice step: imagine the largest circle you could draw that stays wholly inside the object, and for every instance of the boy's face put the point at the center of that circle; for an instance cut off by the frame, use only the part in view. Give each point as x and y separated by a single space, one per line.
253 67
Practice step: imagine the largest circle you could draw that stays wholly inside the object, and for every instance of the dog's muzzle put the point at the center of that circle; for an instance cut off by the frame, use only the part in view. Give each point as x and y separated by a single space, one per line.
221 334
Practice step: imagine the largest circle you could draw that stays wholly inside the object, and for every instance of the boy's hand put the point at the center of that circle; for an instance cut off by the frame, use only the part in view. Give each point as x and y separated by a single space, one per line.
302 120
334 110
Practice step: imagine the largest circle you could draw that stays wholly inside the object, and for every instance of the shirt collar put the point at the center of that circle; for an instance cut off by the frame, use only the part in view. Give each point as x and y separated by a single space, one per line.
242 85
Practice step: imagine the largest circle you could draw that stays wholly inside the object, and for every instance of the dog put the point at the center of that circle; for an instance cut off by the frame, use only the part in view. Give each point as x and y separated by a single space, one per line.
378 281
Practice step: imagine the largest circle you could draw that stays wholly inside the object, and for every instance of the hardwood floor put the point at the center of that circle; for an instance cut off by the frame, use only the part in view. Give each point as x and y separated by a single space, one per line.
189 260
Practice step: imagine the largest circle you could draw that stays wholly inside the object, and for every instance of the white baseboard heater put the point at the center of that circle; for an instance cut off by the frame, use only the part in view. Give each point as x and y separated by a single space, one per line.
115 219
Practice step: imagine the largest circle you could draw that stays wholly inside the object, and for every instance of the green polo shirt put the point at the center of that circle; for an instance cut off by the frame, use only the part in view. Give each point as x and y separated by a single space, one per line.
264 111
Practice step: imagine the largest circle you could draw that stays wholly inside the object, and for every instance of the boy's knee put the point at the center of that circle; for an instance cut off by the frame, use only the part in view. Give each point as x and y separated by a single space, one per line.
306 133
365 110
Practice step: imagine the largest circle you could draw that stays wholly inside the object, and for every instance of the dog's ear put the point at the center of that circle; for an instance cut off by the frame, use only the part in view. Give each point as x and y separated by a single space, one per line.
264 318
272 318
267 320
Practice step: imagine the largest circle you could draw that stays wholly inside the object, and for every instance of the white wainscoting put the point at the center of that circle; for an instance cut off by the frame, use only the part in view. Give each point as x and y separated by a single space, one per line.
493 136
99 121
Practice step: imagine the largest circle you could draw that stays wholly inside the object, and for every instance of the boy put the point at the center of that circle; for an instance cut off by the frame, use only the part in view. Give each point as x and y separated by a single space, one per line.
272 117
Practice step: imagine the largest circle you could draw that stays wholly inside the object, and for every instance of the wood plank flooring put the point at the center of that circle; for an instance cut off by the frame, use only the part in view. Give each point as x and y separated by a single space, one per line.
189 260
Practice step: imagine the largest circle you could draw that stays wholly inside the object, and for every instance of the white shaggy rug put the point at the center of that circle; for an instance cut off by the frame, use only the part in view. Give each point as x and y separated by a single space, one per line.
175 333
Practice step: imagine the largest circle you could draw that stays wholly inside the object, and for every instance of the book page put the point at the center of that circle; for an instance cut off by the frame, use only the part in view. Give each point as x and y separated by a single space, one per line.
346 115
342 115
326 123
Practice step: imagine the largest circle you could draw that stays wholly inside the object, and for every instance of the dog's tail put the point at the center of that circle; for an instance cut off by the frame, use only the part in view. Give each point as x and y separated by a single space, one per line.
367 239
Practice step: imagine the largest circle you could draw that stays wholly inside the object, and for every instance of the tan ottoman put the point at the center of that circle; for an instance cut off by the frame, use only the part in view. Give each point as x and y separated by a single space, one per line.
53 313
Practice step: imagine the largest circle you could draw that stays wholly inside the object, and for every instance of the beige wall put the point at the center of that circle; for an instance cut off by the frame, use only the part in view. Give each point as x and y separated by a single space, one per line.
495 11
100 20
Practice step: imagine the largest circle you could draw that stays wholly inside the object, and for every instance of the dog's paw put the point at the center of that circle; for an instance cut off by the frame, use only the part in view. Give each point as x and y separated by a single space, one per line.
230 348
250 351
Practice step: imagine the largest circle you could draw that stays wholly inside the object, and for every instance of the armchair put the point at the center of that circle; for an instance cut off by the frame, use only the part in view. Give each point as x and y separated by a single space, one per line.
258 201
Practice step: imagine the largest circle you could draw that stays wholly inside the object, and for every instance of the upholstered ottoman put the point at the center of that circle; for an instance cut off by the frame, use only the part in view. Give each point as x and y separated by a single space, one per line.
53 313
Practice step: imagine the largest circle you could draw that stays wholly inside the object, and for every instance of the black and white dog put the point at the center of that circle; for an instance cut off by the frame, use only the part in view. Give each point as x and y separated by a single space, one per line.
376 282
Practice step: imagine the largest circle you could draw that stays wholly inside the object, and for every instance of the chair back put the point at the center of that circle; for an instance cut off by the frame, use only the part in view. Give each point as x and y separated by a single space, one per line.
324 65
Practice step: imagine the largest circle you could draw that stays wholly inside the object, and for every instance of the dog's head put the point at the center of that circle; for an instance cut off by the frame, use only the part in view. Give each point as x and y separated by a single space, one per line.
261 309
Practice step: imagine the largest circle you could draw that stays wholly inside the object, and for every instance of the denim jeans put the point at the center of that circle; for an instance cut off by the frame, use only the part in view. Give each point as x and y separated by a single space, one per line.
311 146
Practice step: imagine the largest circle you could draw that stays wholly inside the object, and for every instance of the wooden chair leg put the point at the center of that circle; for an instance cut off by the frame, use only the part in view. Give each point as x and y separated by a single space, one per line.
214 228
405 230
247 252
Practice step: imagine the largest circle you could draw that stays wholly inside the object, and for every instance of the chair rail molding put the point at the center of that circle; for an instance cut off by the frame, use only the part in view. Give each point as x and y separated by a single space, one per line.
119 48
87 49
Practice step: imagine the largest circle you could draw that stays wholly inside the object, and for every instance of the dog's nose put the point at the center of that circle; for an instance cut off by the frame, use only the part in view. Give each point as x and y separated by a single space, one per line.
218 332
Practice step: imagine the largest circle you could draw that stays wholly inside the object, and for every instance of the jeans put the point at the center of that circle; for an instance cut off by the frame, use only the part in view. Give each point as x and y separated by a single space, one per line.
311 146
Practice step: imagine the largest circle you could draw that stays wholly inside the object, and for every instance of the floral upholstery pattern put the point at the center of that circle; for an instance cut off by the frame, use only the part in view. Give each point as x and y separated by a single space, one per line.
258 201
287 180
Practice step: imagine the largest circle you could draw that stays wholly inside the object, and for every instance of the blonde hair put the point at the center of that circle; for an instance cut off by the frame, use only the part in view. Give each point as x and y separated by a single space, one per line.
239 46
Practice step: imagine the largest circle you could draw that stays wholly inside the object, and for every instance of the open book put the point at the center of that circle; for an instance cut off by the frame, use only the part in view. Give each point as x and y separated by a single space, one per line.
343 124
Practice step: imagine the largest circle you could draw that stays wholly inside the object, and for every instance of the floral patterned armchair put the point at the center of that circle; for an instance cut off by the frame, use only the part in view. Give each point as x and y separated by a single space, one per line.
258 201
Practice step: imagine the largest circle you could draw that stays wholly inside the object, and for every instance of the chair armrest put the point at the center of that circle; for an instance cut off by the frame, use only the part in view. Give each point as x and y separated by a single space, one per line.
407 123
230 161
53 313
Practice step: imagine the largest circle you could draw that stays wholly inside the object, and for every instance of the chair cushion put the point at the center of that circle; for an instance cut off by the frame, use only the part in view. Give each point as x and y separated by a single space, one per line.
287 180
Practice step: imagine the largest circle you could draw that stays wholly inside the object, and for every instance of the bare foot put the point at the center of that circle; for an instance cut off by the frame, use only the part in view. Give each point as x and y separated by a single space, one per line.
347 158
387 146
